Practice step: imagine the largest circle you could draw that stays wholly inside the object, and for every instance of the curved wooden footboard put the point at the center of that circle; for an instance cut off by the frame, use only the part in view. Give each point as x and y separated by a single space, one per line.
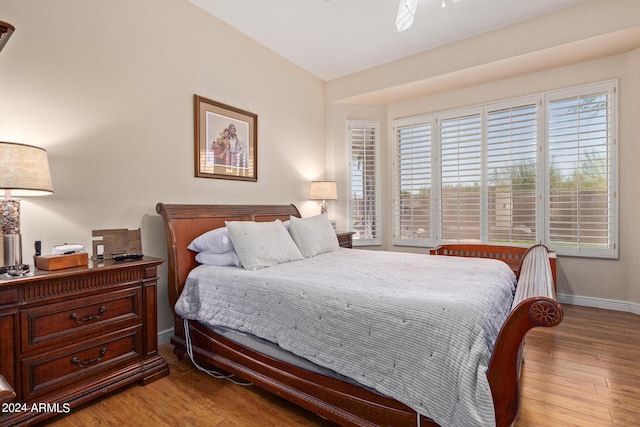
504 368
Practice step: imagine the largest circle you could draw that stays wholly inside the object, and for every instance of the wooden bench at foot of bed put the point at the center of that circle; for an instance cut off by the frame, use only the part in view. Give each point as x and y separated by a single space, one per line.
512 255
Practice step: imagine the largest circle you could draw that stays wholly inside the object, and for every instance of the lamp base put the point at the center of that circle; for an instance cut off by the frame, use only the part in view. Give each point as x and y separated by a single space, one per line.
323 207
11 250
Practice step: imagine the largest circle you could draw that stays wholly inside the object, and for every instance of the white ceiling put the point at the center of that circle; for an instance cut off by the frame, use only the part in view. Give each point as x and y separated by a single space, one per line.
333 38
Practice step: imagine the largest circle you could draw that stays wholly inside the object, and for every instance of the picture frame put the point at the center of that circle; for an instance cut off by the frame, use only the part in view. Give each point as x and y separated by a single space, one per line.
226 141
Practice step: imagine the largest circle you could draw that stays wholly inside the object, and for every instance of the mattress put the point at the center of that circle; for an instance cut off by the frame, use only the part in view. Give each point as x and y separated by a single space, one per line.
417 328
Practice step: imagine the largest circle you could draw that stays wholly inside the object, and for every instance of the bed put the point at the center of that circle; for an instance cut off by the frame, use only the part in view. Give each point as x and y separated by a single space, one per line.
335 397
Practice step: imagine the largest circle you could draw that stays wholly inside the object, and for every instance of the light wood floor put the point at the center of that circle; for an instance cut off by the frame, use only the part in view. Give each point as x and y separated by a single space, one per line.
583 373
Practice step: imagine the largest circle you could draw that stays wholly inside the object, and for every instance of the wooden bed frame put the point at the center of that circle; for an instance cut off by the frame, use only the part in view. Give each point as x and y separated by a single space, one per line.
338 401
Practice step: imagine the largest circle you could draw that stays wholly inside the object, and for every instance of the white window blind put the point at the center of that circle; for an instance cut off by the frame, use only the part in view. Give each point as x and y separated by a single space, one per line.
461 178
413 181
512 175
364 200
581 158
541 168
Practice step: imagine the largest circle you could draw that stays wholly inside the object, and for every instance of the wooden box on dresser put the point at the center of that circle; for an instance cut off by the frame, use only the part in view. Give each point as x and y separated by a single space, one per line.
72 335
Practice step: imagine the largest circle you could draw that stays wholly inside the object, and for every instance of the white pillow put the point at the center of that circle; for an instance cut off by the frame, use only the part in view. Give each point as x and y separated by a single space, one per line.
314 235
262 244
227 258
216 241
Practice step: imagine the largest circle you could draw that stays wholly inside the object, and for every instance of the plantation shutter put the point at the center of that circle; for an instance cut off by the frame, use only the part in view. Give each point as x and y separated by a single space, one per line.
512 174
461 178
413 182
581 183
364 189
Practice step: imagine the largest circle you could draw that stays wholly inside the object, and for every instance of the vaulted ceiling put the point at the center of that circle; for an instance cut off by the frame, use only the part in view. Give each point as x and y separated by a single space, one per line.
334 38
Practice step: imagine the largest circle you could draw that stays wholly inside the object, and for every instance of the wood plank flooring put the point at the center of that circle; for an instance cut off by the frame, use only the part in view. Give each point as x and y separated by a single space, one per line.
583 373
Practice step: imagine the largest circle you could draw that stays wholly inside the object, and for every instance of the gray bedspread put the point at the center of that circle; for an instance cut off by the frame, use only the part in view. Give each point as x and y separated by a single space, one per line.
415 327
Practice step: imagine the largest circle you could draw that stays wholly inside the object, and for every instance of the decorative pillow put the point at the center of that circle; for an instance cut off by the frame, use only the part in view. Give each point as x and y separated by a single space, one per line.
216 241
314 235
262 244
227 258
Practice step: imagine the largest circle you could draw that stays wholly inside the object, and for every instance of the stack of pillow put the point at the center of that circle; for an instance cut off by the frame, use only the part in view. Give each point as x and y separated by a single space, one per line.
255 245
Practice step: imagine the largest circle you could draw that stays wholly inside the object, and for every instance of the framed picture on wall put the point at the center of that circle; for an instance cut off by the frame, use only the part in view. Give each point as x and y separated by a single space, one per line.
226 141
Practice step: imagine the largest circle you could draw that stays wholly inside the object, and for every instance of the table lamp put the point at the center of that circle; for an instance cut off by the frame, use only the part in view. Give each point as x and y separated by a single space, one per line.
323 190
25 172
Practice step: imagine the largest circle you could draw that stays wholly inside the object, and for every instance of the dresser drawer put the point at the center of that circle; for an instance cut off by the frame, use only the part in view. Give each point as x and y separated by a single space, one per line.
56 324
51 371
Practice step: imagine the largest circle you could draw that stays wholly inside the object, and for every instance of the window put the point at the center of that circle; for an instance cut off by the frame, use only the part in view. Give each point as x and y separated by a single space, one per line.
413 181
512 173
581 189
535 169
364 199
460 177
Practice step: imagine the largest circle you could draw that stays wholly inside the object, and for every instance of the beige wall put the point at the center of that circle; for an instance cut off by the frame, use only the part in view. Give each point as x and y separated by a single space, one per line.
107 88
629 271
546 53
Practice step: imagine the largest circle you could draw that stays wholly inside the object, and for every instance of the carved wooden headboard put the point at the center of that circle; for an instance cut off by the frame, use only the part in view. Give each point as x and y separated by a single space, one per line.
183 223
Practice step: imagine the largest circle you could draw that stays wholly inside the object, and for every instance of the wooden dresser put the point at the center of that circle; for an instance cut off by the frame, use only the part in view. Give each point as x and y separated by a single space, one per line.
72 335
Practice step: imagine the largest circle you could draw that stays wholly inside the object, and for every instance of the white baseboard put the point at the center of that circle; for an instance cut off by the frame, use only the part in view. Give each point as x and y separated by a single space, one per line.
165 336
606 304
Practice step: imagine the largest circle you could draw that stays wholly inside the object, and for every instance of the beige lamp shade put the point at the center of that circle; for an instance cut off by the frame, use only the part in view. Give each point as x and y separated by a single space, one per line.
24 170
323 190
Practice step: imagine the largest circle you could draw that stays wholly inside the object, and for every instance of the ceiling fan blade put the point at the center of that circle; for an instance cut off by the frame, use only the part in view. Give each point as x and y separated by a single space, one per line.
406 14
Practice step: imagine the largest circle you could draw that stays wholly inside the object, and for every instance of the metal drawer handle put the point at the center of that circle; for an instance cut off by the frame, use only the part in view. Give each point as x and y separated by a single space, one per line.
76 361
74 316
